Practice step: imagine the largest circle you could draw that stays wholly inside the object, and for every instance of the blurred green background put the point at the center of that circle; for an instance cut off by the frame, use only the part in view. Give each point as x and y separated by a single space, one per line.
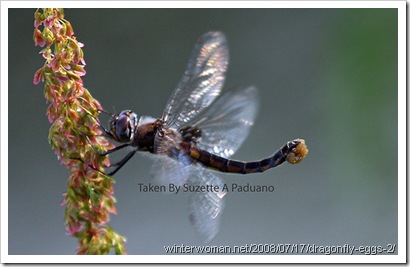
326 75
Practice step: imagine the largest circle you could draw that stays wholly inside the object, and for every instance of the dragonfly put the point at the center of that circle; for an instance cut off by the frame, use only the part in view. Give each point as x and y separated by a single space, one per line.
198 132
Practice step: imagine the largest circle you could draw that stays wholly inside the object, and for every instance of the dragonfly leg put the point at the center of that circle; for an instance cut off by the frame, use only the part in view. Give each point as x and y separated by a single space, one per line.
106 131
89 165
121 163
108 151
118 164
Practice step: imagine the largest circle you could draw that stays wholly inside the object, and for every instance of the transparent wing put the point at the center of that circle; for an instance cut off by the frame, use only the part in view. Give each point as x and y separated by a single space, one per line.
167 171
201 82
227 122
205 208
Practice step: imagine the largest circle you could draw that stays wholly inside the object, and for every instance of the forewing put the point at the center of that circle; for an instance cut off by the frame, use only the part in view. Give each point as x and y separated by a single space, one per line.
205 208
227 122
201 82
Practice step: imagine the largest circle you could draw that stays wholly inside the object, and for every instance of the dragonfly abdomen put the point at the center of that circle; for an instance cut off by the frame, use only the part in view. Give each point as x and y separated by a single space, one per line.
293 152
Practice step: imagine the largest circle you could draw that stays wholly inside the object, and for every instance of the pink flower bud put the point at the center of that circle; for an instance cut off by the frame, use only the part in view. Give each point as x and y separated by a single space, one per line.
38 38
38 76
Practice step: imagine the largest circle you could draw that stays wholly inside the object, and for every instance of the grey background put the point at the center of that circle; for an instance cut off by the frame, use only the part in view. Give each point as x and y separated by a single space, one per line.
326 75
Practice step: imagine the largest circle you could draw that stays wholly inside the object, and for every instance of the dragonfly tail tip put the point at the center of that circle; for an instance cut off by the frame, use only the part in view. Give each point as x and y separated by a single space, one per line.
298 153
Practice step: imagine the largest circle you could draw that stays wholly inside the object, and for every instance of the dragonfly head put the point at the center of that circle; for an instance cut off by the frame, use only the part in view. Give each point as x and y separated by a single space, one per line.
123 126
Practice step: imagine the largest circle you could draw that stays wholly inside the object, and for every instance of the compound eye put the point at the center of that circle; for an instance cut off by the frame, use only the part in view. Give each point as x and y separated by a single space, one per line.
122 128
123 125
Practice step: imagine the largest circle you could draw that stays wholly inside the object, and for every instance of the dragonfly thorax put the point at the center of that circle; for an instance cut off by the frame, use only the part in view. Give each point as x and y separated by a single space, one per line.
123 126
